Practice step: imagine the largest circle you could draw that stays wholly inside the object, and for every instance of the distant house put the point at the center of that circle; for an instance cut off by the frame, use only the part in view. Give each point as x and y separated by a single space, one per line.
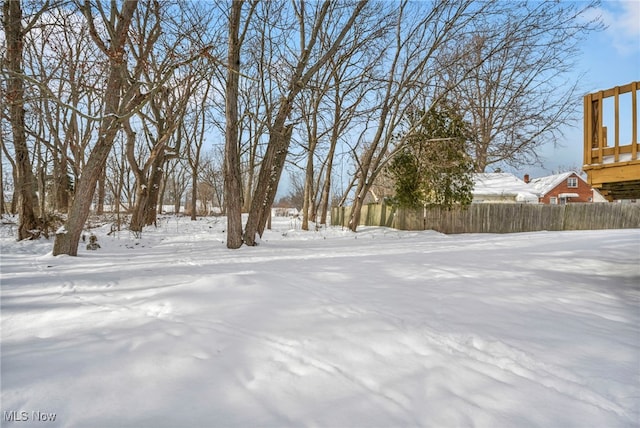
501 187
564 188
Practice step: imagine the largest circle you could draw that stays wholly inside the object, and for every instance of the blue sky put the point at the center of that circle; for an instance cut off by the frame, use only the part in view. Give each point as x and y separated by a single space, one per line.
609 58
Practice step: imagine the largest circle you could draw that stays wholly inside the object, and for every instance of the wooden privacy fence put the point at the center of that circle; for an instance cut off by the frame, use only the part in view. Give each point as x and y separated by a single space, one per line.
496 218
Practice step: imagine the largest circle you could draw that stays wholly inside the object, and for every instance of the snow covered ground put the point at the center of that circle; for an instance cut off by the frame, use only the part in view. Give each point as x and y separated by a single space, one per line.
330 329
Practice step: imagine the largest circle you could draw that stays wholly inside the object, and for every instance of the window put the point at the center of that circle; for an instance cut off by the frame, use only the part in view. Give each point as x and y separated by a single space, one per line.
553 200
572 182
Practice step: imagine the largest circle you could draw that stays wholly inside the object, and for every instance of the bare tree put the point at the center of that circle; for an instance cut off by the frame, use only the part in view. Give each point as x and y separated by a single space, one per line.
519 95
119 179
163 118
126 92
304 69
232 173
5 151
212 174
117 105
194 128
176 183
253 125
332 104
12 21
3 209
310 106
70 75
348 105
166 112
259 89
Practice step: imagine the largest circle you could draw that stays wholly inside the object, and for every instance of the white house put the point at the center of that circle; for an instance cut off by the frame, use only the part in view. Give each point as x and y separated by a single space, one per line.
498 187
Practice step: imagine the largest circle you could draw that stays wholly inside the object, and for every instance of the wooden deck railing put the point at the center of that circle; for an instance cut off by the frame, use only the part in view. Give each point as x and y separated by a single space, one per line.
609 163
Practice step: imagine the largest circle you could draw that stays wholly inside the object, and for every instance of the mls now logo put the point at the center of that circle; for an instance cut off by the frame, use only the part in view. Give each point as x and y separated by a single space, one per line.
36 416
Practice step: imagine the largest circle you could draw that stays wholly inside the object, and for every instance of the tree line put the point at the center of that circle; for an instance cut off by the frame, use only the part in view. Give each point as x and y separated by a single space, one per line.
116 102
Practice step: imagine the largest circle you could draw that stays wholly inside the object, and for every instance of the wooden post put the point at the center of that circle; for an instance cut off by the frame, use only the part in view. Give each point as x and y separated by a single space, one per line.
616 131
634 121
600 129
595 125
588 143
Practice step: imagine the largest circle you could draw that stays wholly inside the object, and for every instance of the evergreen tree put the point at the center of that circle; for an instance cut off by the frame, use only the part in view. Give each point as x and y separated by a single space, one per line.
433 167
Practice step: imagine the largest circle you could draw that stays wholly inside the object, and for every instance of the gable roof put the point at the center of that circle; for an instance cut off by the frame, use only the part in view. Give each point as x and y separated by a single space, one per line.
503 184
544 185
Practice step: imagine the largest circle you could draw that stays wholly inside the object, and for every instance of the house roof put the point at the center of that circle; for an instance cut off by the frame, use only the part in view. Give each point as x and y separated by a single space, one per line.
544 185
503 184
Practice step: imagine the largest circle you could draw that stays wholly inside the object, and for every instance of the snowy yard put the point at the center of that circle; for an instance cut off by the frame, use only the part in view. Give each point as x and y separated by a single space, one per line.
382 328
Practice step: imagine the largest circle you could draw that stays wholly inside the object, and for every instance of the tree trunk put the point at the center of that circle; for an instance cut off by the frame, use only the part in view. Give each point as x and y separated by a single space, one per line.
177 196
142 197
194 195
361 192
269 177
307 205
367 176
14 198
13 203
67 239
232 174
102 182
155 182
280 133
145 211
120 183
248 189
41 167
117 197
2 208
254 143
326 187
148 179
24 184
61 183
161 194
